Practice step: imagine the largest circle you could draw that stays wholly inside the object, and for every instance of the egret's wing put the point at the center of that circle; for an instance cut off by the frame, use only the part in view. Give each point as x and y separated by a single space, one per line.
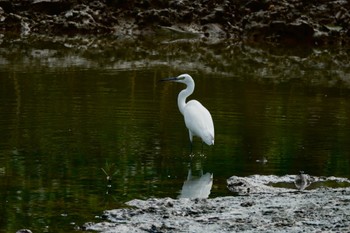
198 120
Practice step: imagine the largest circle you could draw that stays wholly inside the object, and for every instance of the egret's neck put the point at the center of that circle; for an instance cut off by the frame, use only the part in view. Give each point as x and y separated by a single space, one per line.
181 100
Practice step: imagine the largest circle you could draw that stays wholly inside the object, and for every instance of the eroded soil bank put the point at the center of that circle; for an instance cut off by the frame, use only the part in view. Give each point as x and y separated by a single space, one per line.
267 209
287 22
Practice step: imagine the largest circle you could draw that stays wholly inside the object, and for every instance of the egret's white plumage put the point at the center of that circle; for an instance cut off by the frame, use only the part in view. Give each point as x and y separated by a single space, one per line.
197 118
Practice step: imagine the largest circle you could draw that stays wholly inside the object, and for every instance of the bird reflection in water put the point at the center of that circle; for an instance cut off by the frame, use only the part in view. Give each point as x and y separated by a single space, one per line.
197 186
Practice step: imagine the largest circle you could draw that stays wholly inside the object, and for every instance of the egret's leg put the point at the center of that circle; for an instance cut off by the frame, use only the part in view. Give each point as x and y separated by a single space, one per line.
202 148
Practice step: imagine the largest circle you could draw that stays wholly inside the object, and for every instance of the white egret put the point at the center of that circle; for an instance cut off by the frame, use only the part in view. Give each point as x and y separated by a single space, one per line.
197 118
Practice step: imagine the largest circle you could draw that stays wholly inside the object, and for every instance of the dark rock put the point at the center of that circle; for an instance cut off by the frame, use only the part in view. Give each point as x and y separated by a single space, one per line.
125 4
51 7
293 33
7 6
256 5
13 23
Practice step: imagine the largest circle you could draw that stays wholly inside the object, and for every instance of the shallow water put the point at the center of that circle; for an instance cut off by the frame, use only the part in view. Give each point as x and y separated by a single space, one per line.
75 112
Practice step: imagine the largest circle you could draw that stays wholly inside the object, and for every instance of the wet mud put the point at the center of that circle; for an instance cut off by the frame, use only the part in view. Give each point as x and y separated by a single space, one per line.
257 206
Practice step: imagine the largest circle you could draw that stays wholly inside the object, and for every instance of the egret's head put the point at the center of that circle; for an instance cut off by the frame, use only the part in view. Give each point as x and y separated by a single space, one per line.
183 78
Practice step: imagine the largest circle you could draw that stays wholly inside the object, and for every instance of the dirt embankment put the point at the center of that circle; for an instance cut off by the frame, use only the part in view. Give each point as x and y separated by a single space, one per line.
273 21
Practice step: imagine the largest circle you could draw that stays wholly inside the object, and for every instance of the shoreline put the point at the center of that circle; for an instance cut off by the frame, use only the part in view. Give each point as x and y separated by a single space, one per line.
263 209
272 22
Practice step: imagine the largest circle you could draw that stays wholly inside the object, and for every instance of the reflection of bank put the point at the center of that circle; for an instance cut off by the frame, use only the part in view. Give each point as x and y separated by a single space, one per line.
197 186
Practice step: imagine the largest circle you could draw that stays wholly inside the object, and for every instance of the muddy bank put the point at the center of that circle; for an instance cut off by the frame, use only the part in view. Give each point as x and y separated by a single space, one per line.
272 21
267 209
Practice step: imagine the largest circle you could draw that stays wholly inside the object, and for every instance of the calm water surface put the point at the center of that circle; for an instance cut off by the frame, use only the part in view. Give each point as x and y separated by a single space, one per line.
72 115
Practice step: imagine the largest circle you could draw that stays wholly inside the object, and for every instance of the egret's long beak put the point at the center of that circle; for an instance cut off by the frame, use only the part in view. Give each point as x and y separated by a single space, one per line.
168 79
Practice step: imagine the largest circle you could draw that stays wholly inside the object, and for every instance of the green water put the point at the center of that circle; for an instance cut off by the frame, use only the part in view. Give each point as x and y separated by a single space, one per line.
71 110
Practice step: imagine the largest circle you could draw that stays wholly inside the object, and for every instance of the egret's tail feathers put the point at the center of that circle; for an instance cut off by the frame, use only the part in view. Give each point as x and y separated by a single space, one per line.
209 140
